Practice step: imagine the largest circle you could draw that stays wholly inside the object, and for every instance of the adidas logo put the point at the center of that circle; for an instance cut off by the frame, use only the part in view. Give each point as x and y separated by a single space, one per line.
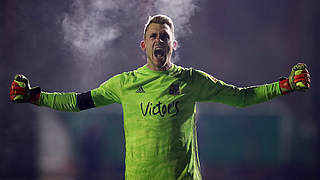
140 90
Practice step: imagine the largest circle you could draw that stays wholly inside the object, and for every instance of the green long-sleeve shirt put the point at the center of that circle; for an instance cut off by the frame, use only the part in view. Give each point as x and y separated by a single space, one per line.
159 115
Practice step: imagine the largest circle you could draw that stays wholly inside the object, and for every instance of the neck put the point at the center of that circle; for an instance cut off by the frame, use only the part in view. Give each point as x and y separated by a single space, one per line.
165 67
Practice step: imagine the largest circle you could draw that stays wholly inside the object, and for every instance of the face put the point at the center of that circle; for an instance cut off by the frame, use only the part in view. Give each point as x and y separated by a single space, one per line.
158 45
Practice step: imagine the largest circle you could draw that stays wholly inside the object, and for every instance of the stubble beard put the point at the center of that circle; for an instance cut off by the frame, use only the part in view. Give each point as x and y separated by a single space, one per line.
160 64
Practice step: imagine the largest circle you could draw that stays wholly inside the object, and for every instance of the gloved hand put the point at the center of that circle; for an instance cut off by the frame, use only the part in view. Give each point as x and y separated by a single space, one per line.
20 91
298 80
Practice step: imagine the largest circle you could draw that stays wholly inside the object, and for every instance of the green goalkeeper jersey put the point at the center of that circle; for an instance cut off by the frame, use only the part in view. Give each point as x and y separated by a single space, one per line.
159 115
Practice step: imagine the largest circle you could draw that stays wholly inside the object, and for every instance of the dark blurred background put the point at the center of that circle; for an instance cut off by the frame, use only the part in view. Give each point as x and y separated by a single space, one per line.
75 45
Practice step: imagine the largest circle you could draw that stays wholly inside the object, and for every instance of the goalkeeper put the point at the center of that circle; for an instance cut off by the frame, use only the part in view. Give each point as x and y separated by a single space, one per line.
159 104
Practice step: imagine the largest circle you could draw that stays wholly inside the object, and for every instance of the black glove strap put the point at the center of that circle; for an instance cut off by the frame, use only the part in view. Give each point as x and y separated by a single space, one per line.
35 90
282 78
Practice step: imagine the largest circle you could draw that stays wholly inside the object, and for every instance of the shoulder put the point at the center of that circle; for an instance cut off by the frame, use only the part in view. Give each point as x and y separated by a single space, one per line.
184 71
114 81
199 75
125 75
190 71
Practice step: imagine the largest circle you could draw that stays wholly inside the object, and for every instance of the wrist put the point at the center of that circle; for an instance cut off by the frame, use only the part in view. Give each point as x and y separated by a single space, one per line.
35 95
285 86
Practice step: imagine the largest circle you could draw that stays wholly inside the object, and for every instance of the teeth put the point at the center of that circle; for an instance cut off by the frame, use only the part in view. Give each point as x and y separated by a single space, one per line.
159 52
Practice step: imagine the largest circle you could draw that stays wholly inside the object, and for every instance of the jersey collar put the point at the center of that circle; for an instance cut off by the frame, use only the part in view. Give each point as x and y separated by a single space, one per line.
149 71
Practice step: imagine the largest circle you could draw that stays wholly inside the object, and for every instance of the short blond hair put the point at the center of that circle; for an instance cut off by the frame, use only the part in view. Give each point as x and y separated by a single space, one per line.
158 19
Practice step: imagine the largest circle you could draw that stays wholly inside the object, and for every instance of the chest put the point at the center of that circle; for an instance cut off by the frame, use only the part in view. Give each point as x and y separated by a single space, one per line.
157 97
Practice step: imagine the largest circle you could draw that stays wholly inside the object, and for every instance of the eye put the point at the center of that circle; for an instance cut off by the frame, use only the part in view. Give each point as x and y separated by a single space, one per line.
153 36
164 36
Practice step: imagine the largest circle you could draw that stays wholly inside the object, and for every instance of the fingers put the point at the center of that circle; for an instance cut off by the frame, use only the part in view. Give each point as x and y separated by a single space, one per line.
21 80
301 76
300 66
17 86
20 77
21 84
20 89
16 91
17 98
303 84
302 80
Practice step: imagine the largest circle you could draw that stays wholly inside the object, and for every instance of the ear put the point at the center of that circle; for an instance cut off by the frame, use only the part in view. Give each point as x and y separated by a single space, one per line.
175 44
143 45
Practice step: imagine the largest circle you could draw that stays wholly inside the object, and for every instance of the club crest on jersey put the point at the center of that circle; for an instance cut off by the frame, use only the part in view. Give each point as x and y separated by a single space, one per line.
174 89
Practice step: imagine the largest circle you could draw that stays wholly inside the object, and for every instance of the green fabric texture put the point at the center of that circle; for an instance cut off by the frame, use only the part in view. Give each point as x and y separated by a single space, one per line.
220 92
159 110
59 101
159 115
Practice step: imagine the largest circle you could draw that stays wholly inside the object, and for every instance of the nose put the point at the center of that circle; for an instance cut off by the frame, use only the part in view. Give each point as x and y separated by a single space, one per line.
158 39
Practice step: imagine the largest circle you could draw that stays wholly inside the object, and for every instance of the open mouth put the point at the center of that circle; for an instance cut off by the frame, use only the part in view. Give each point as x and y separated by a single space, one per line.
159 53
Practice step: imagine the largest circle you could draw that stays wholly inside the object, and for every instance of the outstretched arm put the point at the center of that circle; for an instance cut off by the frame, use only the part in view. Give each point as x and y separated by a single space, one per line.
211 89
21 92
71 102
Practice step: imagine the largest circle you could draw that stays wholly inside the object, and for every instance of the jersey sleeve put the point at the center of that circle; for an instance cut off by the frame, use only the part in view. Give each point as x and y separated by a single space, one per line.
108 92
209 89
59 101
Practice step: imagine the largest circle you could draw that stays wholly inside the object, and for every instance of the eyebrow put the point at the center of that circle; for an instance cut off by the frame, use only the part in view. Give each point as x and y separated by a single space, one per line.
152 34
161 32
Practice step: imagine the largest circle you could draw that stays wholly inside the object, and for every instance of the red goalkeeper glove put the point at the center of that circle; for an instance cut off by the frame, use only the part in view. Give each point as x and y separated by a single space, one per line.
298 80
20 91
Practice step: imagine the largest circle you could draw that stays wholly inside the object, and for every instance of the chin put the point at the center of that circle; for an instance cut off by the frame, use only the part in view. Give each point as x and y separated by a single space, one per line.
159 63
